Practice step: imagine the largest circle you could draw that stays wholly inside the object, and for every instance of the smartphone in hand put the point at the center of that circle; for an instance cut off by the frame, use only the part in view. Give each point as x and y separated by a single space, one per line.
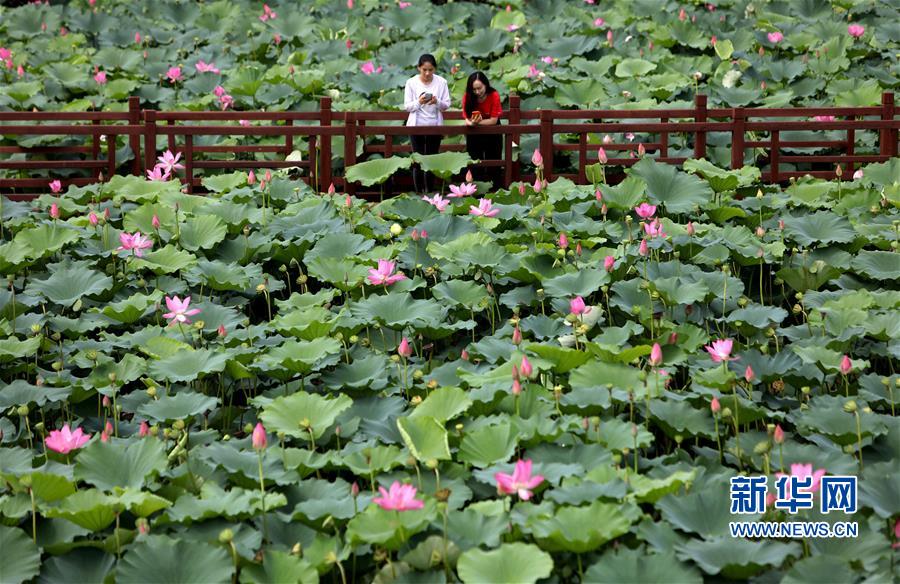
427 97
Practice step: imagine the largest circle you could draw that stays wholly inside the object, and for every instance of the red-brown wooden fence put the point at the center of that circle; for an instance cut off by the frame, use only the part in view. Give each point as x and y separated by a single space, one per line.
381 132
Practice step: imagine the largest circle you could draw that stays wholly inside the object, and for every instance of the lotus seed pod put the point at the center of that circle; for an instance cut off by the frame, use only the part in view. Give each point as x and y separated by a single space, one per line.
418 374
226 535
416 400
260 288
432 384
178 425
112 377
431 463
396 229
35 328
22 410
762 447
39 427
248 428
805 390
850 406
151 391
226 438
458 427
353 339
57 366
726 413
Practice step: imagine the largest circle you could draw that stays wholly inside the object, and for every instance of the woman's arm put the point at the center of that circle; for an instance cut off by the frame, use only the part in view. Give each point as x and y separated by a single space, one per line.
496 111
410 100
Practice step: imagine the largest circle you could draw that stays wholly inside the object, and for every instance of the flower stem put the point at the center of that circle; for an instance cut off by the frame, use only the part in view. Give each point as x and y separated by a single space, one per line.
262 492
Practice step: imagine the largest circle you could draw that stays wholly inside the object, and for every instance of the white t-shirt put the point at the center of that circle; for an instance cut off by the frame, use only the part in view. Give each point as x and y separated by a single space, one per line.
426 115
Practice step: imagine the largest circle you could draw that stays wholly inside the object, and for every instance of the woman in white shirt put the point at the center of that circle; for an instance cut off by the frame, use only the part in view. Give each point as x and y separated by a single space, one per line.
426 96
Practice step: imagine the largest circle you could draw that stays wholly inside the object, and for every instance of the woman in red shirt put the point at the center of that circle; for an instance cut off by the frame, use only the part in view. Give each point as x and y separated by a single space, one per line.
481 107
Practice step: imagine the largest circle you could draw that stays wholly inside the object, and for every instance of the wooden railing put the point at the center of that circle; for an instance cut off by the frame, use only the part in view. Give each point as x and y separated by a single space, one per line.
382 133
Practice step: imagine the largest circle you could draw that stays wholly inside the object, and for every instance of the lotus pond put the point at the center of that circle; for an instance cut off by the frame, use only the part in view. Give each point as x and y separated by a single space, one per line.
532 394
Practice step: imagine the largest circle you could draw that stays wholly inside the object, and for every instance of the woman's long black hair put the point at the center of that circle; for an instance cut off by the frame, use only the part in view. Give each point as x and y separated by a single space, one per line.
471 98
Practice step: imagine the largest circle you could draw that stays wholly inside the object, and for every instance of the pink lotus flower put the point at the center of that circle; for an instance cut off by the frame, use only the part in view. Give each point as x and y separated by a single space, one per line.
221 331
251 178
520 482
144 429
484 209
578 307
259 440
775 37
219 91
537 186
516 386
20 71
547 60
170 162
404 350
563 241
463 190
601 156
54 211
714 406
846 365
656 356
385 275
643 248
155 221
598 22
525 367
720 350
778 434
368 68
174 74
641 150
158 173
609 37
404 5
856 30
268 13
801 471
399 497
690 228
645 210
512 27
682 15
93 219
749 374
823 118
65 440
858 174
134 243
533 71
517 336
537 159
609 263
55 186
178 310
654 229
137 38
203 67
438 201
100 77
629 136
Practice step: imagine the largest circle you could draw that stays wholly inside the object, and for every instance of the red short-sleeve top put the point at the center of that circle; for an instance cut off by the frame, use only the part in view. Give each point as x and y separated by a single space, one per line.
489 108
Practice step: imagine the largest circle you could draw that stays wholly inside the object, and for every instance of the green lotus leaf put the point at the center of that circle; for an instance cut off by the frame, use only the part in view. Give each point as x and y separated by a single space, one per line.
722 180
399 309
705 511
134 307
365 461
21 558
484 42
821 227
583 282
627 566
616 435
597 375
679 290
302 414
819 569
21 393
375 172
724 49
581 529
339 246
308 323
165 260
223 276
677 191
758 315
489 444
462 293
160 558
879 490
388 528
478 524
562 358
634 68
202 232
13 348
118 463
443 404
189 365
216 502
826 416
225 182
280 566
513 563
344 274
878 265
177 407
626 195
88 565
305 356
366 372
735 557
69 282
425 437
88 508
445 164
46 239
51 487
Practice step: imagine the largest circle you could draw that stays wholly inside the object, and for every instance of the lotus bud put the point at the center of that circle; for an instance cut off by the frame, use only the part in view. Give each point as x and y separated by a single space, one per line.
715 406
151 391
749 375
846 365
526 368
537 185
516 336
414 235
464 355
404 350
537 159
468 176
656 356
22 411
673 338
516 387
259 439
598 195
778 435
601 155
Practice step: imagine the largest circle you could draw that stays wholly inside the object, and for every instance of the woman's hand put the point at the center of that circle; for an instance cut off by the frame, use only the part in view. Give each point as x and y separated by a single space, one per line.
470 122
422 100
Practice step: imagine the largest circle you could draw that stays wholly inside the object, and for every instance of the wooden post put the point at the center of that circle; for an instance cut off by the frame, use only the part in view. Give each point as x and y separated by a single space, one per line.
851 147
513 168
149 139
888 137
700 135
774 154
172 148
134 140
547 143
110 156
189 161
95 145
325 117
664 140
582 158
737 138
349 149
288 139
